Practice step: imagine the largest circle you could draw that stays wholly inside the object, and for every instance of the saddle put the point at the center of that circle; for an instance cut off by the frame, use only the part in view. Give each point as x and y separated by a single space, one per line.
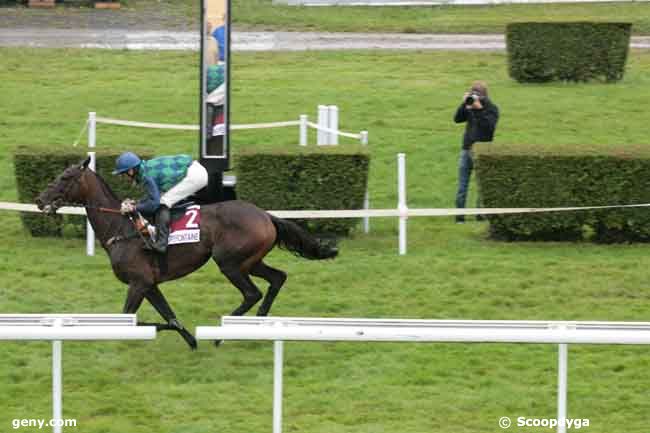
179 209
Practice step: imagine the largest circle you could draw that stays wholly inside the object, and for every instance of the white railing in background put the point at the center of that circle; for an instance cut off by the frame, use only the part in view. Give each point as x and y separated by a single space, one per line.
280 329
60 327
327 126
327 134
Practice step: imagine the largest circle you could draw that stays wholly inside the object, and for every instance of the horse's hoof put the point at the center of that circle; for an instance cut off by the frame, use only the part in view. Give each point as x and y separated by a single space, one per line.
217 343
190 340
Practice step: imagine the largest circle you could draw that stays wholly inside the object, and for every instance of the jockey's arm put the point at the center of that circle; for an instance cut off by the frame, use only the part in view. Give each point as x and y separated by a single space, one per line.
150 204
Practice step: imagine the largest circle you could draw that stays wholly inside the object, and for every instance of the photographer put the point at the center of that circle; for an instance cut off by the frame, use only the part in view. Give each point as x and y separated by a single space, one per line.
481 116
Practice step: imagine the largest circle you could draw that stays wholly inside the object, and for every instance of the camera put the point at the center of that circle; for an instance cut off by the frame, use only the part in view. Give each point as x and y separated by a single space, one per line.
471 98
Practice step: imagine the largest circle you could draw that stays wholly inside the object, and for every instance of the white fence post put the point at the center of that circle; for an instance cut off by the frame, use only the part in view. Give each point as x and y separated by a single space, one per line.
366 206
401 201
303 129
562 386
57 380
366 197
278 360
333 123
322 123
92 137
364 137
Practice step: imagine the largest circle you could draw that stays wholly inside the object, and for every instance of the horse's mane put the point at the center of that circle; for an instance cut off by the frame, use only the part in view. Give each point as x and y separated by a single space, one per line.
106 187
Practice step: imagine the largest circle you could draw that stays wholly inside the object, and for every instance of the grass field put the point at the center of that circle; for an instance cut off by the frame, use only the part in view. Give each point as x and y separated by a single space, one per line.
424 19
263 15
406 101
431 19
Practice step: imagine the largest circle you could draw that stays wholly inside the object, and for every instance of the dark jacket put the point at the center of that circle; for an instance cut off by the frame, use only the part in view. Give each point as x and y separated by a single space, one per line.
480 123
150 204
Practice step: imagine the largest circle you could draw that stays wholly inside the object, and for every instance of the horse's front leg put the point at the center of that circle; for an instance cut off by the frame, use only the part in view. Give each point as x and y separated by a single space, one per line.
157 299
134 297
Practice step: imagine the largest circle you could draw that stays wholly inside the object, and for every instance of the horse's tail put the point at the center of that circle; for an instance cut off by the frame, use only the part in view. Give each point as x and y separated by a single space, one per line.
290 236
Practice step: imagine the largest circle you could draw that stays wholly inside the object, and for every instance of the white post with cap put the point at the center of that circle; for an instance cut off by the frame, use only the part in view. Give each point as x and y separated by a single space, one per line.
92 136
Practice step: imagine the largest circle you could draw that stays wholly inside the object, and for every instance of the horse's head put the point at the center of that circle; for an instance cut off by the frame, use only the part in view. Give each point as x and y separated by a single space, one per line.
68 188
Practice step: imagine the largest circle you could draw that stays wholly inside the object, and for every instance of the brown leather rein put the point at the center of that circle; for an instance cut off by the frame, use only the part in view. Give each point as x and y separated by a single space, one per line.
108 210
140 228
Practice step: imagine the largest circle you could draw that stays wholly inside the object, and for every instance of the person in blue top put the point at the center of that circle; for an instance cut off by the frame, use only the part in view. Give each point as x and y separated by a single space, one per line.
219 35
167 180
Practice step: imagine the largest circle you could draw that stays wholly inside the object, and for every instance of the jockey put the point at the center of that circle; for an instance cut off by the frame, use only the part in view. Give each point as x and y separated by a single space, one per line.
167 180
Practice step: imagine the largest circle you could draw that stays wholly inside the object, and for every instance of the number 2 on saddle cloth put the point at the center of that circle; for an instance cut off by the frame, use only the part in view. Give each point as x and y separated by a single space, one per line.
184 227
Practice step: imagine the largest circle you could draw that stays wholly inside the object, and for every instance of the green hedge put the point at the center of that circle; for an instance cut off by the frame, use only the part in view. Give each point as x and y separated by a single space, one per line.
327 177
511 177
331 177
578 51
35 169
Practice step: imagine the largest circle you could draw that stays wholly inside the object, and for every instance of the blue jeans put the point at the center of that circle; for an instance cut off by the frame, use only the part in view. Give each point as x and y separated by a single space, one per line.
465 166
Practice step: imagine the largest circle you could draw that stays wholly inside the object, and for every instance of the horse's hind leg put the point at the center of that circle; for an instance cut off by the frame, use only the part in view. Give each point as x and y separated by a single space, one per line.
157 299
276 279
243 282
247 288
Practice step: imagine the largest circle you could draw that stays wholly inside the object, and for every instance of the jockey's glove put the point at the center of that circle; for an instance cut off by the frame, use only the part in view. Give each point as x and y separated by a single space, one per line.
127 207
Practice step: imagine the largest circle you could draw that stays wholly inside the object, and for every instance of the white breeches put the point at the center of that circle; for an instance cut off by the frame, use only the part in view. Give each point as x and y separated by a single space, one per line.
195 179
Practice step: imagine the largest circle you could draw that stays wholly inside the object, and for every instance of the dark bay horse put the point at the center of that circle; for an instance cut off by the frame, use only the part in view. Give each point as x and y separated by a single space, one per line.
235 234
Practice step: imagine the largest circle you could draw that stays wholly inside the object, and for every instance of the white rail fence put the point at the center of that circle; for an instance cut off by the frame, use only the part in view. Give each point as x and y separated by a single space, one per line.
280 329
402 211
327 133
327 126
60 327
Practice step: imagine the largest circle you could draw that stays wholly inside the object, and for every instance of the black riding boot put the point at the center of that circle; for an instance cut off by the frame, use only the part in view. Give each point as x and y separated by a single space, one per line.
162 229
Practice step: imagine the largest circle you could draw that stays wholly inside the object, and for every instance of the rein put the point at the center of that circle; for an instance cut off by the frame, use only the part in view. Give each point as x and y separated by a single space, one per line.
99 208
106 209
113 239
117 238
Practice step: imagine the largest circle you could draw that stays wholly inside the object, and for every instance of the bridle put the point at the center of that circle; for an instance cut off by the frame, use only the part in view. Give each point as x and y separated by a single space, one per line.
63 192
113 239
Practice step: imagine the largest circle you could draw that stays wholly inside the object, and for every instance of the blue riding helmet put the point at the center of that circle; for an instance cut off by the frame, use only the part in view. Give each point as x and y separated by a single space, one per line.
125 162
